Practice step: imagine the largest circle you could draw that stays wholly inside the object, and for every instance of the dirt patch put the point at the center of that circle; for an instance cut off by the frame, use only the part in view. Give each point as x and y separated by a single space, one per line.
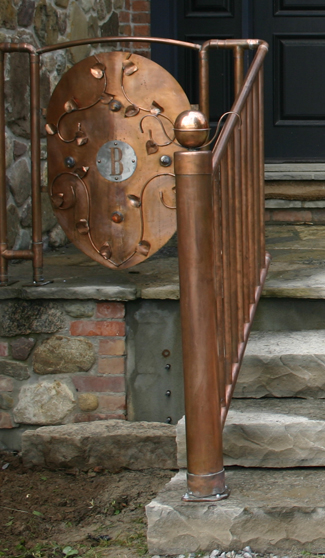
96 514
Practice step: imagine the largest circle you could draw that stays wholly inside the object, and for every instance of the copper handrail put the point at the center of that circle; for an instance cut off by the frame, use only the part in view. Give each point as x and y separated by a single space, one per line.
222 260
223 264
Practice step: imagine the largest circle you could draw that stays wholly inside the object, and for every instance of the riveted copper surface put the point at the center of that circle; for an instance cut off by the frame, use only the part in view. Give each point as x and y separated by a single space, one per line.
109 122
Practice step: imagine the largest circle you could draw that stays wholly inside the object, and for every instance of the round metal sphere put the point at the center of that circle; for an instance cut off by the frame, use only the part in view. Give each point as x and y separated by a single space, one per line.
191 129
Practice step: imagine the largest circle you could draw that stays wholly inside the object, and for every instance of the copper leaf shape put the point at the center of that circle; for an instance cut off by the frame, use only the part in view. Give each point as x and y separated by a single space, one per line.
58 199
106 251
135 201
151 147
98 70
81 138
156 108
70 105
129 67
131 110
51 129
143 247
106 98
82 226
82 171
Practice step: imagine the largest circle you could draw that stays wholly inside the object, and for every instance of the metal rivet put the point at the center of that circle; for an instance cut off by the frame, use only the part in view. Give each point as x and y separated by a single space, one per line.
117 217
115 106
69 162
168 367
168 393
165 161
165 353
169 420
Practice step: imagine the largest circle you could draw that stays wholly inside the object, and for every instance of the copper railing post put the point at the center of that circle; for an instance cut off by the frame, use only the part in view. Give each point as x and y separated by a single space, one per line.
204 81
37 245
205 477
238 69
3 197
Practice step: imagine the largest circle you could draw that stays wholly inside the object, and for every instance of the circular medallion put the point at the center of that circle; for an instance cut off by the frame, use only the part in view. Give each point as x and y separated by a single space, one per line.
116 161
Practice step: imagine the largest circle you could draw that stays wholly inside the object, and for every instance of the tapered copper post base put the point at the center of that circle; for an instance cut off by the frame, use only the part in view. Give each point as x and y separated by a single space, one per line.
198 485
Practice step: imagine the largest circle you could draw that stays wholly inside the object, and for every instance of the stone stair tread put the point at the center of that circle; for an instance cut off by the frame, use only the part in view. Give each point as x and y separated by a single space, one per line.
297 270
272 410
271 343
283 364
269 510
278 433
275 433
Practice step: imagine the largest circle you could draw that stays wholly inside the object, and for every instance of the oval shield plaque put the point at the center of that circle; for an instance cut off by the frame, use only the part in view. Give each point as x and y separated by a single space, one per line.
110 156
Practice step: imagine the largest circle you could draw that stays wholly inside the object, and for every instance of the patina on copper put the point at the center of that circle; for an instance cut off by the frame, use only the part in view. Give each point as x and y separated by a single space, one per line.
126 199
220 219
111 181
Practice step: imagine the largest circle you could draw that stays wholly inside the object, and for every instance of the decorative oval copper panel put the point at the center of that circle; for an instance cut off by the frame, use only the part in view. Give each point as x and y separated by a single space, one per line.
110 156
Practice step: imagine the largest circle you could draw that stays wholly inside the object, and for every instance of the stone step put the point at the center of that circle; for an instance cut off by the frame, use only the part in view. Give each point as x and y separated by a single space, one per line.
268 510
283 364
111 444
270 433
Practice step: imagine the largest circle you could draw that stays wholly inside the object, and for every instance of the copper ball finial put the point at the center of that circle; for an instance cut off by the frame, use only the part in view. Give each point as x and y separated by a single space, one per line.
191 129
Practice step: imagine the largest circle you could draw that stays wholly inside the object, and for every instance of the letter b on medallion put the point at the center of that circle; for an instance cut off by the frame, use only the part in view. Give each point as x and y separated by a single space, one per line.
116 161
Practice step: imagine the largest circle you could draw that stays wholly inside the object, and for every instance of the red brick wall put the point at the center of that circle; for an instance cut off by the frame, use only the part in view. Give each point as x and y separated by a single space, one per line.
108 382
134 21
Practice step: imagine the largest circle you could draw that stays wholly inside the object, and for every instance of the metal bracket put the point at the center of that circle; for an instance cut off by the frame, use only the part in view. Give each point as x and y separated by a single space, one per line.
38 283
189 497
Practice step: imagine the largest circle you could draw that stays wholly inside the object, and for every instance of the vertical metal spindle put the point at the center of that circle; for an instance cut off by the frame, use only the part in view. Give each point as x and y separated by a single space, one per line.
231 232
204 96
256 183
3 197
226 266
245 214
261 161
218 274
250 200
36 171
238 232
239 68
205 477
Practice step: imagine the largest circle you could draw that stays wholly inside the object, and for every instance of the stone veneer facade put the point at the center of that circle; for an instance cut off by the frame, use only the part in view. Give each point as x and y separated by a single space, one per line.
45 22
61 362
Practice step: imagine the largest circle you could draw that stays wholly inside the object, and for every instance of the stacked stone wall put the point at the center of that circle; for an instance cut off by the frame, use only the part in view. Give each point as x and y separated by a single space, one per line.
61 362
40 23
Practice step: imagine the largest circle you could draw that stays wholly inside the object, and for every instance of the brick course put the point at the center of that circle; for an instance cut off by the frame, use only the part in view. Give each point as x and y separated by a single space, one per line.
115 384
112 347
111 365
140 6
141 30
112 310
112 403
100 328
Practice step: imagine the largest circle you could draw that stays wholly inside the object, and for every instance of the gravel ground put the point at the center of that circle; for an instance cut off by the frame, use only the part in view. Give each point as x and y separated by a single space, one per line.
245 553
